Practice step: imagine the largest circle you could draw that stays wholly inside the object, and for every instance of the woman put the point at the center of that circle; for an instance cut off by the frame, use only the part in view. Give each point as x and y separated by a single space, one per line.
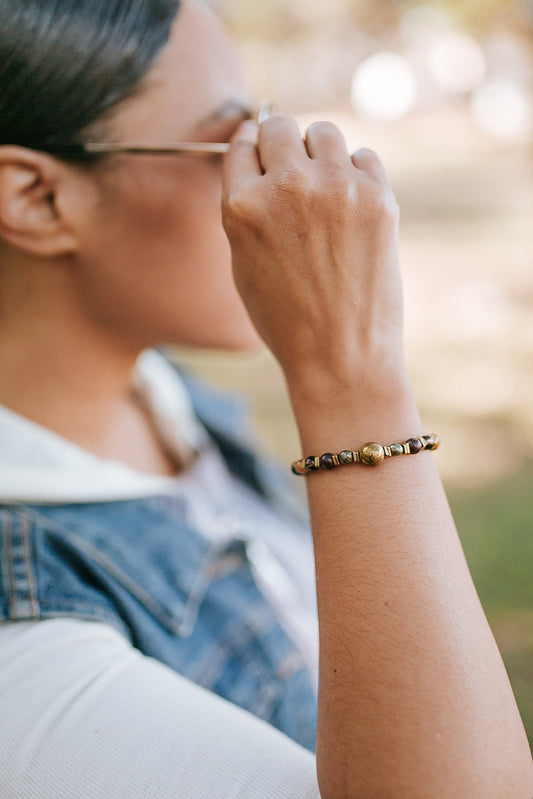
135 522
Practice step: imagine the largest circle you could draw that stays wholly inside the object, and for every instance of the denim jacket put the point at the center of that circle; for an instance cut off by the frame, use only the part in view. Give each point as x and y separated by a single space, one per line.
186 601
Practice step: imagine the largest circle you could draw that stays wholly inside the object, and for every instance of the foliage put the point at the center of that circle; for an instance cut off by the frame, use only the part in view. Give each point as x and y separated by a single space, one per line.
495 525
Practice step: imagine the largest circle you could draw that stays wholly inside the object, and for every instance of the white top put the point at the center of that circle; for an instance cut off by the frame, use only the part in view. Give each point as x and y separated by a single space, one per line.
37 465
87 714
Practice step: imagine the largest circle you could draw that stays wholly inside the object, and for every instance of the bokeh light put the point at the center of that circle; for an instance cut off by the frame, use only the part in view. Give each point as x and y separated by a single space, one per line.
384 87
502 109
457 63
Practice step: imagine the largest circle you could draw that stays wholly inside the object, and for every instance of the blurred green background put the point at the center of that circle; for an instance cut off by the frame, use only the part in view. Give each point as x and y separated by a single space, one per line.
443 91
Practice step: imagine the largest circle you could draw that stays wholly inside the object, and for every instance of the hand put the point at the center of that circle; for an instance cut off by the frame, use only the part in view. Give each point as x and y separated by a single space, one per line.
313 233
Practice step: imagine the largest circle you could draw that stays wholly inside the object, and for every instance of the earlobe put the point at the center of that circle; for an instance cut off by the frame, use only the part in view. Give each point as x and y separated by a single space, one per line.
29 217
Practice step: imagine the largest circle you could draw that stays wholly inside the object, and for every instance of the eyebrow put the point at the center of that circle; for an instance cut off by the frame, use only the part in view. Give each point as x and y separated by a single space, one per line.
228 110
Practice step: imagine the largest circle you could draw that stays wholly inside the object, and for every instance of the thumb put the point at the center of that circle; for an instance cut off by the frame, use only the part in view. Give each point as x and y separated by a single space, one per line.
242 163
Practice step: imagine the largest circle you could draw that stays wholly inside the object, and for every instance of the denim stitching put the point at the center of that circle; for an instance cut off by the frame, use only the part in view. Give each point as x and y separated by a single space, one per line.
128 582
20 575
167 619
7 527
218 565
30 576
181 621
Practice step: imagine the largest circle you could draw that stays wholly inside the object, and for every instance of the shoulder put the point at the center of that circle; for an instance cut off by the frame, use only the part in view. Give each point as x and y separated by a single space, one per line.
79 700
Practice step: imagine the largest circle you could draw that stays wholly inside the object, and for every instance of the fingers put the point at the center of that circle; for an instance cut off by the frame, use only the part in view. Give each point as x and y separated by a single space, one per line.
324 141
280 143
277 145
368 161
242 161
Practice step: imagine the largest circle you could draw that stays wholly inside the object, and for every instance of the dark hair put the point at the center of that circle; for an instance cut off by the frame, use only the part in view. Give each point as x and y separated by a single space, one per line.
65 64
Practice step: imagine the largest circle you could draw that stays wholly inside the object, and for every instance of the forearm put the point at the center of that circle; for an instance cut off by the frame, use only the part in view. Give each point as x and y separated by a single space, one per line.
414 699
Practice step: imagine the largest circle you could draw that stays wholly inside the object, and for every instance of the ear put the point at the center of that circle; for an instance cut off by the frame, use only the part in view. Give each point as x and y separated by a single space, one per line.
33 187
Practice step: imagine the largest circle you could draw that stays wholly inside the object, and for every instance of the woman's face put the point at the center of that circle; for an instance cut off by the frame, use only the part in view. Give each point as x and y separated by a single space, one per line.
154 263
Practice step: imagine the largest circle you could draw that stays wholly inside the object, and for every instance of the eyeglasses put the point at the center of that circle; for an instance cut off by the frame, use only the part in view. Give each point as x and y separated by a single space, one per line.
148 148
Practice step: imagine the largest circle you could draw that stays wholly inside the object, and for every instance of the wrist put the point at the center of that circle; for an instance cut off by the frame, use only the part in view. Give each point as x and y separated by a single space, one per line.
333 415
374 381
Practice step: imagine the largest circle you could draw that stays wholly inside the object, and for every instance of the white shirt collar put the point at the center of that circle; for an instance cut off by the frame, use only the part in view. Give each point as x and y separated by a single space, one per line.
37 465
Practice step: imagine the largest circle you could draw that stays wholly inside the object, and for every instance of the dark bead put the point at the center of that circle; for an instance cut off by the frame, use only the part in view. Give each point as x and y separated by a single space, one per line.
345 456
396 449
326 461
310 464
414 445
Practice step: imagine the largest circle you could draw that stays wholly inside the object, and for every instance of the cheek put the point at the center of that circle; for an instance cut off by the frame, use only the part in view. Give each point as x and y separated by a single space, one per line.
163 211
161 264
172 231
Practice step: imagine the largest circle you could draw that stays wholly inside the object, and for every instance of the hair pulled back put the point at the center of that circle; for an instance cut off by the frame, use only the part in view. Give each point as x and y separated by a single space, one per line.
64 64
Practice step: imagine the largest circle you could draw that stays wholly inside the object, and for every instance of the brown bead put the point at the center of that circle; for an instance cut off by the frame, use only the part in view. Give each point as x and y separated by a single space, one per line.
310 464
372 454
396 449
326 461
414 445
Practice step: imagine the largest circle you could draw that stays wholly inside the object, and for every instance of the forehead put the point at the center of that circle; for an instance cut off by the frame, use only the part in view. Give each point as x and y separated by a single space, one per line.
196 79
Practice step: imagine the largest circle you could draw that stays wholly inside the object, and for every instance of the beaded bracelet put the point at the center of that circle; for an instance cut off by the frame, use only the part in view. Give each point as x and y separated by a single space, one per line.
370 454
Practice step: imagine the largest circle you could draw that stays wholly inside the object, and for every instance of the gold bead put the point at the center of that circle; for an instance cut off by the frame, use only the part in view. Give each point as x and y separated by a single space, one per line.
298 467
372 454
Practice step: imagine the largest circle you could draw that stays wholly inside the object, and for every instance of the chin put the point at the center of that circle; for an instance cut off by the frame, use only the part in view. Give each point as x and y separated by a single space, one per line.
255 346
238 341
231 337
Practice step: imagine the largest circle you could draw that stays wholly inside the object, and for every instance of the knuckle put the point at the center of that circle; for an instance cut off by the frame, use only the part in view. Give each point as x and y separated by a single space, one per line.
293 181
338 184
382 204
277 122
388 202
323 128
336 179
234 209
242 144
366 154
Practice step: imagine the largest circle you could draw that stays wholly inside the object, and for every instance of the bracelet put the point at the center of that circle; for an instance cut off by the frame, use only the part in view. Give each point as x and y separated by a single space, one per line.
370 454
